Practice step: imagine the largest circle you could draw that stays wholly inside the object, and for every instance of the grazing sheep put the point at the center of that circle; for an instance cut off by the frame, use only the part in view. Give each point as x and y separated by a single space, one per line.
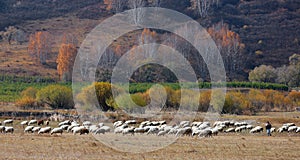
28 129
120 128
256 129
36 129
184 131
215 131
106 128
44 130
130 122
99 131
47 122
32 122
282 129
196 132
240 129
66 122
288 124
8 121
230 130
196 124
129 130
93 128
184 124
173 130
23 123
87 123
100 125
249 126
162 133
205 133
162 122
56 130
272 129
2 129
117 124
72 126
77 129
298 130
153 130
64 127
292 129
9 129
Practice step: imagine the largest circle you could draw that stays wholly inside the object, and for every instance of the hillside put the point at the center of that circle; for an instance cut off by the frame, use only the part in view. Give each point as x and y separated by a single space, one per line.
269 29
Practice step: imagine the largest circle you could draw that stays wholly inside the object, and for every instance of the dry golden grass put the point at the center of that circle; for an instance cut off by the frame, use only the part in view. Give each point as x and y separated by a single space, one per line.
20 146
224 146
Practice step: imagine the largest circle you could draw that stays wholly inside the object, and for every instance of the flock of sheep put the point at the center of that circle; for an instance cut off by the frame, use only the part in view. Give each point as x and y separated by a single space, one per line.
132 127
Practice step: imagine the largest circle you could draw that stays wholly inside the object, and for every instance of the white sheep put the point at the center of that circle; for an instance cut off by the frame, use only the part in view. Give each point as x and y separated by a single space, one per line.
240 128
36 129
184 131
56 130
131 122
77 129
205 133
282 129
106 128
298 130
117 124
99 131
28 129
272 129
66 122
162 133
153 130
215 131
100 125
64 127
34 121
230 130
292 129
87 123
256 129
249 126
2 129
72 126
184 124
9 129
44 130
93 128
8 121
129 130
23 123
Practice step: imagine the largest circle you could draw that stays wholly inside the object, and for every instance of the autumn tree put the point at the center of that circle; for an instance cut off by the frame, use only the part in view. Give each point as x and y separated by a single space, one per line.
263 73
39 45
65 61
230 46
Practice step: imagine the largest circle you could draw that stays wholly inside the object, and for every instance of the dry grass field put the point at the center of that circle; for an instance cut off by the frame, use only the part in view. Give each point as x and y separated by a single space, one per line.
20 146
232 146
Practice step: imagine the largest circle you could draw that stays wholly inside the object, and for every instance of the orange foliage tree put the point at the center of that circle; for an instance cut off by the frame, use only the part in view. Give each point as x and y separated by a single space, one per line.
230 46
39 45
65 61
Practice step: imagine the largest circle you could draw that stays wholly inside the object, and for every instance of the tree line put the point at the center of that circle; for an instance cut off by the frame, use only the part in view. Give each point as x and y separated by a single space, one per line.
236 101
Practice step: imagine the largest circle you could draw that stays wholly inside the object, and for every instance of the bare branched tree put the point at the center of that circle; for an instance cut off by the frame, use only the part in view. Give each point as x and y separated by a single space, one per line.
137 12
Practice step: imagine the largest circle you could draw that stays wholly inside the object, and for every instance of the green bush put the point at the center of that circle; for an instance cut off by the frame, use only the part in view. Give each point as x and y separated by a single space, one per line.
56 97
